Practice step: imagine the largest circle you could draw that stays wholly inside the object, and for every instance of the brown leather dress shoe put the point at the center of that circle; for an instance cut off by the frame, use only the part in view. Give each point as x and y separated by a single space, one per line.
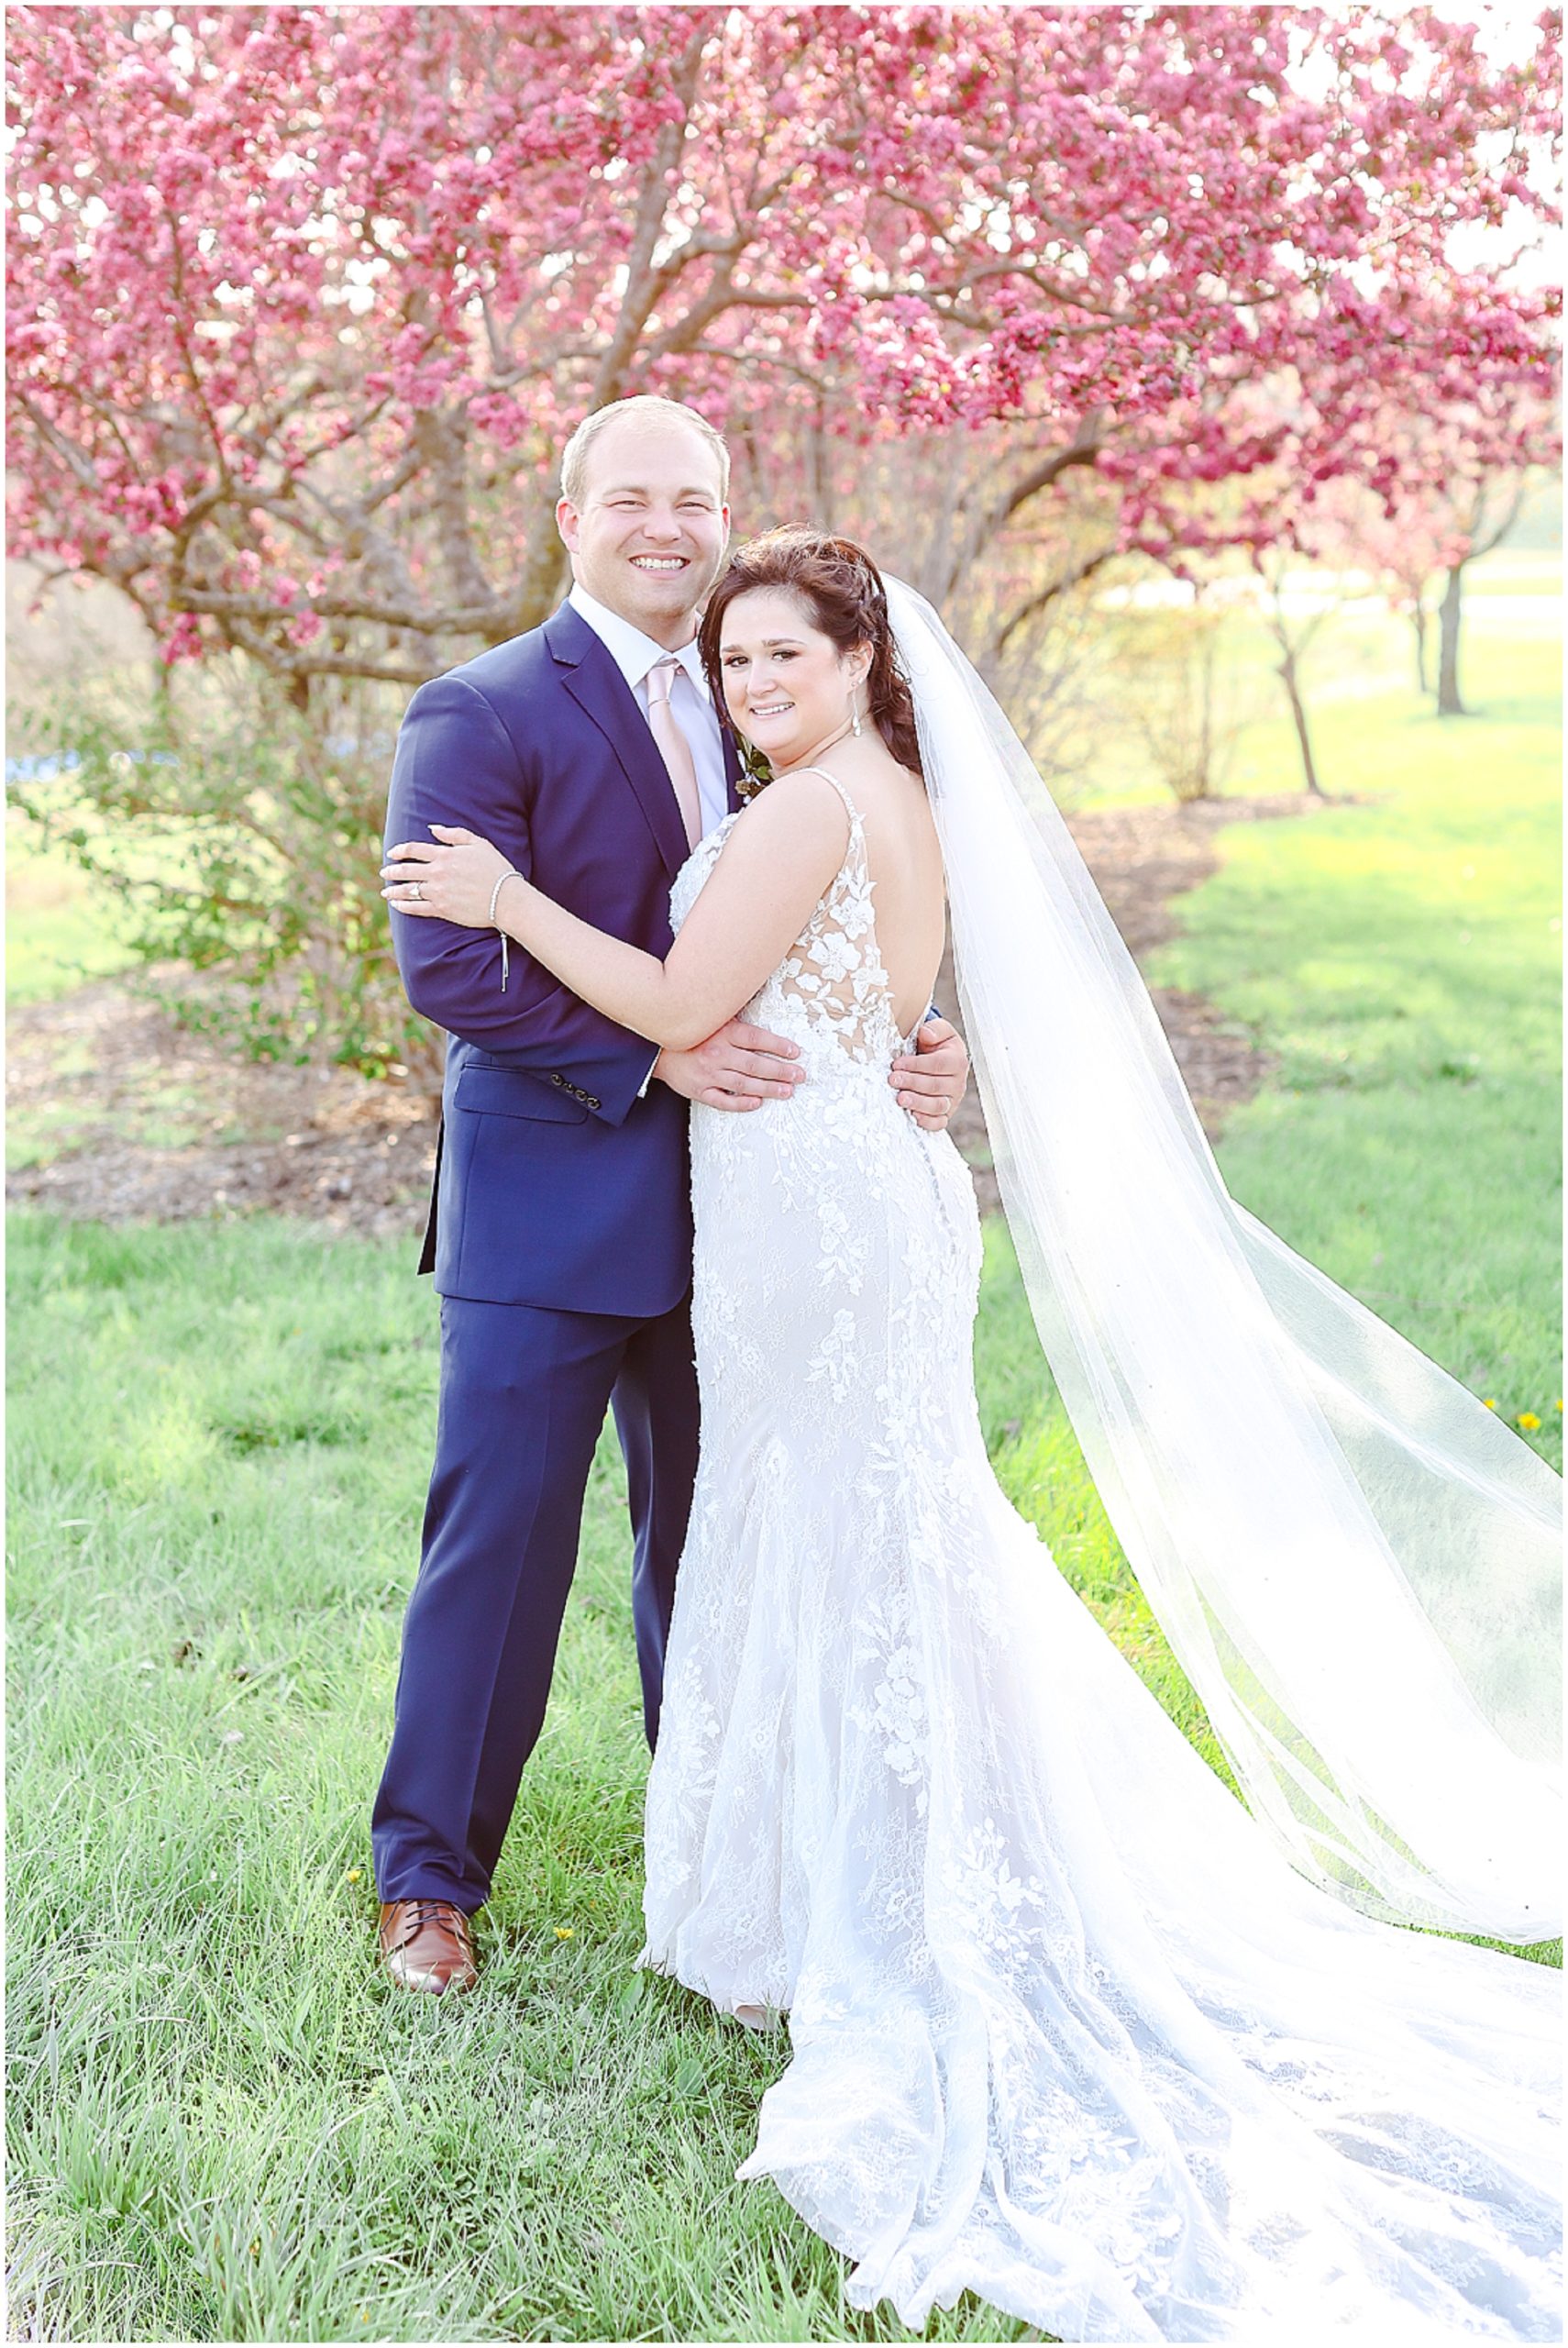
428 1944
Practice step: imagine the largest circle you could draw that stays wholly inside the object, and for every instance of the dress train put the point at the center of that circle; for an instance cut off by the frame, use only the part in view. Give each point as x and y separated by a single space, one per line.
1066 2027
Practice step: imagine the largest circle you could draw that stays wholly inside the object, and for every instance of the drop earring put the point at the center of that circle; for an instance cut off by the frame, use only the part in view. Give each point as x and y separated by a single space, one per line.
855 710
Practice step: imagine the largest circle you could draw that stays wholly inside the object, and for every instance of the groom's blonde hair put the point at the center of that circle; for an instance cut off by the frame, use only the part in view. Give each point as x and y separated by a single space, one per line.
647 409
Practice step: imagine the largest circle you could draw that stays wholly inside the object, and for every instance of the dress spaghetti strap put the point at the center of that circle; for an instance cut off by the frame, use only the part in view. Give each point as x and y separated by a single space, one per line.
849 804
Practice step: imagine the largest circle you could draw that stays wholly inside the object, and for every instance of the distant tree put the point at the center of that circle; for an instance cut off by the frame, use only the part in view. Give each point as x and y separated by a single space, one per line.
1486 511
1465 474
1402 554
302 301
1182 696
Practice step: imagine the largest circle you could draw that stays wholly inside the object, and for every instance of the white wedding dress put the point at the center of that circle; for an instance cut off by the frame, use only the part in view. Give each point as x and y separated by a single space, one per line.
1066 2029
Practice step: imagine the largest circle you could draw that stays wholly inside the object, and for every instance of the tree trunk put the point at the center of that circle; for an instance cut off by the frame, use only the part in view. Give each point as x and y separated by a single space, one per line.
544 575
1448 703
1286 667
1419 621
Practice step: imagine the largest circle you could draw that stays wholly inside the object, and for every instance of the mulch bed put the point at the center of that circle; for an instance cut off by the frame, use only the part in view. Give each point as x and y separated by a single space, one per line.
154 1123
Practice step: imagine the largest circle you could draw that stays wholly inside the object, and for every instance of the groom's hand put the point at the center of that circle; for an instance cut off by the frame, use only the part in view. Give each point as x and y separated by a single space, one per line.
739 1068
930 1081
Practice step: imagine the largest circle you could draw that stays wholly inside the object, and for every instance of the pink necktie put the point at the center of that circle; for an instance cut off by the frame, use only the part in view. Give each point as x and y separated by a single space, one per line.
675 747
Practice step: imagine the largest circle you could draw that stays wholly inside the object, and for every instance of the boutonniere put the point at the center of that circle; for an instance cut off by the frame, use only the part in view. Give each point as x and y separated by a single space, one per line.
755 774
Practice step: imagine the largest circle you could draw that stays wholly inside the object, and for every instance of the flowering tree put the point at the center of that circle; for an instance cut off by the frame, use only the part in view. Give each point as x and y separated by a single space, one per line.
302 301
1463 480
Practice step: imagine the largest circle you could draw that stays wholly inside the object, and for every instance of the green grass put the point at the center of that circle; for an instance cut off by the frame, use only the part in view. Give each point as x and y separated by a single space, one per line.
222 2126
1401 957
60 930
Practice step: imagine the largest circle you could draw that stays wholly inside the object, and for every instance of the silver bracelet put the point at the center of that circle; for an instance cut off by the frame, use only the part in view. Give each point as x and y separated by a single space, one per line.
510 873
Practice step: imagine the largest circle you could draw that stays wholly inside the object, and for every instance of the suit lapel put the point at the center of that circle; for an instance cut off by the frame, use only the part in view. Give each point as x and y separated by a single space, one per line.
599 689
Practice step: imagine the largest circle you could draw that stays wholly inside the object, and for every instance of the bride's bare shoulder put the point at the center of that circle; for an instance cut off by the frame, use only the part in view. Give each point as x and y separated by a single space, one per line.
791 836
804 795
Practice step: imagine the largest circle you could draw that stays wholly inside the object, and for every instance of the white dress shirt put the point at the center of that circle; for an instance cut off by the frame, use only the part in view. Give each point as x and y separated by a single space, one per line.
634 654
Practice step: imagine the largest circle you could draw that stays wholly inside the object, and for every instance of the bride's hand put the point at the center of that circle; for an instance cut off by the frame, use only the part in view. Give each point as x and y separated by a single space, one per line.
451 881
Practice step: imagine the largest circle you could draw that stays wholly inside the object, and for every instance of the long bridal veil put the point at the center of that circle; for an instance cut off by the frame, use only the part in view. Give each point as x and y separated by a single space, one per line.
1357 1564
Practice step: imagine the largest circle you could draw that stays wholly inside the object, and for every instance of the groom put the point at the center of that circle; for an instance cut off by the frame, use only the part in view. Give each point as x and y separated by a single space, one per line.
560 1234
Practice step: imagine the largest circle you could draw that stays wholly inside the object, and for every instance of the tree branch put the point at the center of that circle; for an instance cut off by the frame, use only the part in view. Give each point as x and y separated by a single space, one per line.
442 438
644 282
466 620
1037 602
296 665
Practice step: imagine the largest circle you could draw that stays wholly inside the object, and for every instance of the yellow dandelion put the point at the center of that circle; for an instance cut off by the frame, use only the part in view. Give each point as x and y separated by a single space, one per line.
1488 1402
1558 1404
566 1932
354 1875
1529 1418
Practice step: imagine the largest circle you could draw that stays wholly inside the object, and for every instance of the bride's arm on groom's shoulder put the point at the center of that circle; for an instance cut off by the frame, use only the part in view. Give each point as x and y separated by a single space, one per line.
456 764
769 876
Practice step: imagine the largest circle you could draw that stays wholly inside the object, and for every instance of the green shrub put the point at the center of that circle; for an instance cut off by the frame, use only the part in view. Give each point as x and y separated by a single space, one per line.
240 835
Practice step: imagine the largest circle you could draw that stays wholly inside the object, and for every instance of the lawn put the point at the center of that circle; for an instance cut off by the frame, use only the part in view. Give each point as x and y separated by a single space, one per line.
221 2127
1402 957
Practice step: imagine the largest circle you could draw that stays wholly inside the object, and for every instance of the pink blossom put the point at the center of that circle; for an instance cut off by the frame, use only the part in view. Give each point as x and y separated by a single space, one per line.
322 265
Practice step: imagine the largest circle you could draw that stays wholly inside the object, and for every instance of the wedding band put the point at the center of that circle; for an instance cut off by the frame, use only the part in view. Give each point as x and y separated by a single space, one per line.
414 889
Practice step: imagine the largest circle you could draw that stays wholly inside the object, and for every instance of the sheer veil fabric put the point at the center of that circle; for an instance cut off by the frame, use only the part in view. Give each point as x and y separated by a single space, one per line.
1357 1565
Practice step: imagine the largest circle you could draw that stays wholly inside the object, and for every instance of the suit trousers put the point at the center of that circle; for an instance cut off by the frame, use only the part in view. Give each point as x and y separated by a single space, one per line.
523 1398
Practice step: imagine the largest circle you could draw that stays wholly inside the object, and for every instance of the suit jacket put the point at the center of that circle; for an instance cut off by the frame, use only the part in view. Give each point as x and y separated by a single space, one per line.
555 1185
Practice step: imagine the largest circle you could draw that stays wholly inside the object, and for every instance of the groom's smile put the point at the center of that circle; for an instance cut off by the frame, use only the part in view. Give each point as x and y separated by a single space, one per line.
648 529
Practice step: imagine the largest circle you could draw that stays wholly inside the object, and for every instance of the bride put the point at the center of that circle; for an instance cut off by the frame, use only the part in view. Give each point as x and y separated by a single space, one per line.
1069 2028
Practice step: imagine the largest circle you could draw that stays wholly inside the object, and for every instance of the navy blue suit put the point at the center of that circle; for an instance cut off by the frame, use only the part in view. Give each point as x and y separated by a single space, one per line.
560 1238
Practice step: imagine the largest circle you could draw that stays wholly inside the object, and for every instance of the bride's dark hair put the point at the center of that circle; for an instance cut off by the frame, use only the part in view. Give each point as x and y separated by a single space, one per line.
842 590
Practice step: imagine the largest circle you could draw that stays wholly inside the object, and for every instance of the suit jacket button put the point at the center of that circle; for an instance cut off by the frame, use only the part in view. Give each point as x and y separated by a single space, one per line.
557 1080
591 1102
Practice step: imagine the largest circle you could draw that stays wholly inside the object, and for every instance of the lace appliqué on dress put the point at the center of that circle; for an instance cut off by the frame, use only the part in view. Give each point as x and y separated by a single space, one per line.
1066 2030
